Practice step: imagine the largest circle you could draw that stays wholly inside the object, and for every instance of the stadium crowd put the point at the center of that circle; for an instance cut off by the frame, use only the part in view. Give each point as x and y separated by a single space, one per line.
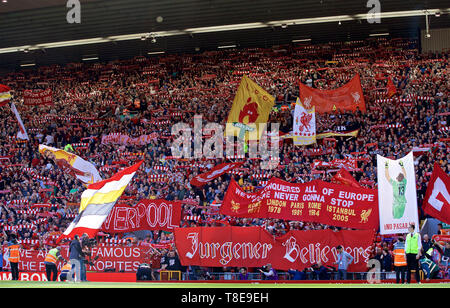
146 96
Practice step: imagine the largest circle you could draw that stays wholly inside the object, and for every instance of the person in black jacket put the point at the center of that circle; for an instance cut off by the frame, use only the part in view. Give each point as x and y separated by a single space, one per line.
76 257
386 262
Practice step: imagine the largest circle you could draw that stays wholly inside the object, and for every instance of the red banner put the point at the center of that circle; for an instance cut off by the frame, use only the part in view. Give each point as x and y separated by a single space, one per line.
255 247
349 97
437 198
156 214
44 97
316 201
215 172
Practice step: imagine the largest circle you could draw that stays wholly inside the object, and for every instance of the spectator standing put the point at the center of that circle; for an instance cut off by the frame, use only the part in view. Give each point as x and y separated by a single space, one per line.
426 243
243 274
76 257
86 249
386 262
344 259
171 262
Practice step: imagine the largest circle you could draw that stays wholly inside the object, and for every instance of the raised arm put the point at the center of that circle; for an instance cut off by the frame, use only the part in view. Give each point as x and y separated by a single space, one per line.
386 172
403 168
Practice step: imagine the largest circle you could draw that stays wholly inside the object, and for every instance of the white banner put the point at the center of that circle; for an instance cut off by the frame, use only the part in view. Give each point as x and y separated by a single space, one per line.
304 127
397 197
22 133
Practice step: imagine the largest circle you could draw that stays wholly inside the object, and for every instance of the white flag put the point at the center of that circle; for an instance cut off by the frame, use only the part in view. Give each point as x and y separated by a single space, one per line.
304 128
397 197
22 133
72 164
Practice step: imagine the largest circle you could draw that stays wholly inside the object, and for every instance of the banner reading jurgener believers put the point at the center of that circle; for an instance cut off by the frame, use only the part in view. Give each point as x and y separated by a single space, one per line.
316 201
255 247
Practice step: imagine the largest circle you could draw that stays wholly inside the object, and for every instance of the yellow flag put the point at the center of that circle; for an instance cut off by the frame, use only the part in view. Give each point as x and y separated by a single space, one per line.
251 107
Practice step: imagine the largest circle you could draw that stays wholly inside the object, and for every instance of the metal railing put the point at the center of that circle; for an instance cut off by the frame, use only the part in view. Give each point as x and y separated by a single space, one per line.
281 276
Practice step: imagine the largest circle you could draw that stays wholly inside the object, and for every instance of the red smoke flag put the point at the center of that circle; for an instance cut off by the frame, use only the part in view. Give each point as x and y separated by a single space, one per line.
344 177
392 90
437 198
5 95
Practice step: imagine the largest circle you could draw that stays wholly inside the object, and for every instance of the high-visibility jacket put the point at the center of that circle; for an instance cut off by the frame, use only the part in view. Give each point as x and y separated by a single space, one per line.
52 256
399 254
14 255
66 268
412 245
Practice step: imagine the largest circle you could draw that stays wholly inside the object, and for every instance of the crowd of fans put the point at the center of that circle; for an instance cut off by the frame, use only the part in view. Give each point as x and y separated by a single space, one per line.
146 96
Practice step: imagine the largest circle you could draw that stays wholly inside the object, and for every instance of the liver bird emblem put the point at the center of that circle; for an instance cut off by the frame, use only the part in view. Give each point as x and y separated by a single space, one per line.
235 206
365 215
305 120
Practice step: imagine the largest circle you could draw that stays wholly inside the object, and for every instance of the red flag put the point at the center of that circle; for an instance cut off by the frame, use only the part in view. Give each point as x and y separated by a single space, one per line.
344 177
349 97
215 172
437 198
5 95
392 90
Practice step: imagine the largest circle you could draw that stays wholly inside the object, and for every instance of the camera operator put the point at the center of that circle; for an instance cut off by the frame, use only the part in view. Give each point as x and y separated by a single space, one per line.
321 272
86 246
434 252
269 272
428 262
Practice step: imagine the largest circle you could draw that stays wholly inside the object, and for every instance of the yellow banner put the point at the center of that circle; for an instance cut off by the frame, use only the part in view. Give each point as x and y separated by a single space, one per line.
251 108
353 133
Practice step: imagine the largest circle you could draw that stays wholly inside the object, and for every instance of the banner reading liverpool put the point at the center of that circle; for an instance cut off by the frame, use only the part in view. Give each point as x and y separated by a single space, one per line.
255 247
215 172
72 164
437 198
304 128
397 197
156 214
251 107
349 97
316 201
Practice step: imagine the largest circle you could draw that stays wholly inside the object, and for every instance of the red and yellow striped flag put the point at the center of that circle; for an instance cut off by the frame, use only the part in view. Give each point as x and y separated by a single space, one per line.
5 95
97 202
